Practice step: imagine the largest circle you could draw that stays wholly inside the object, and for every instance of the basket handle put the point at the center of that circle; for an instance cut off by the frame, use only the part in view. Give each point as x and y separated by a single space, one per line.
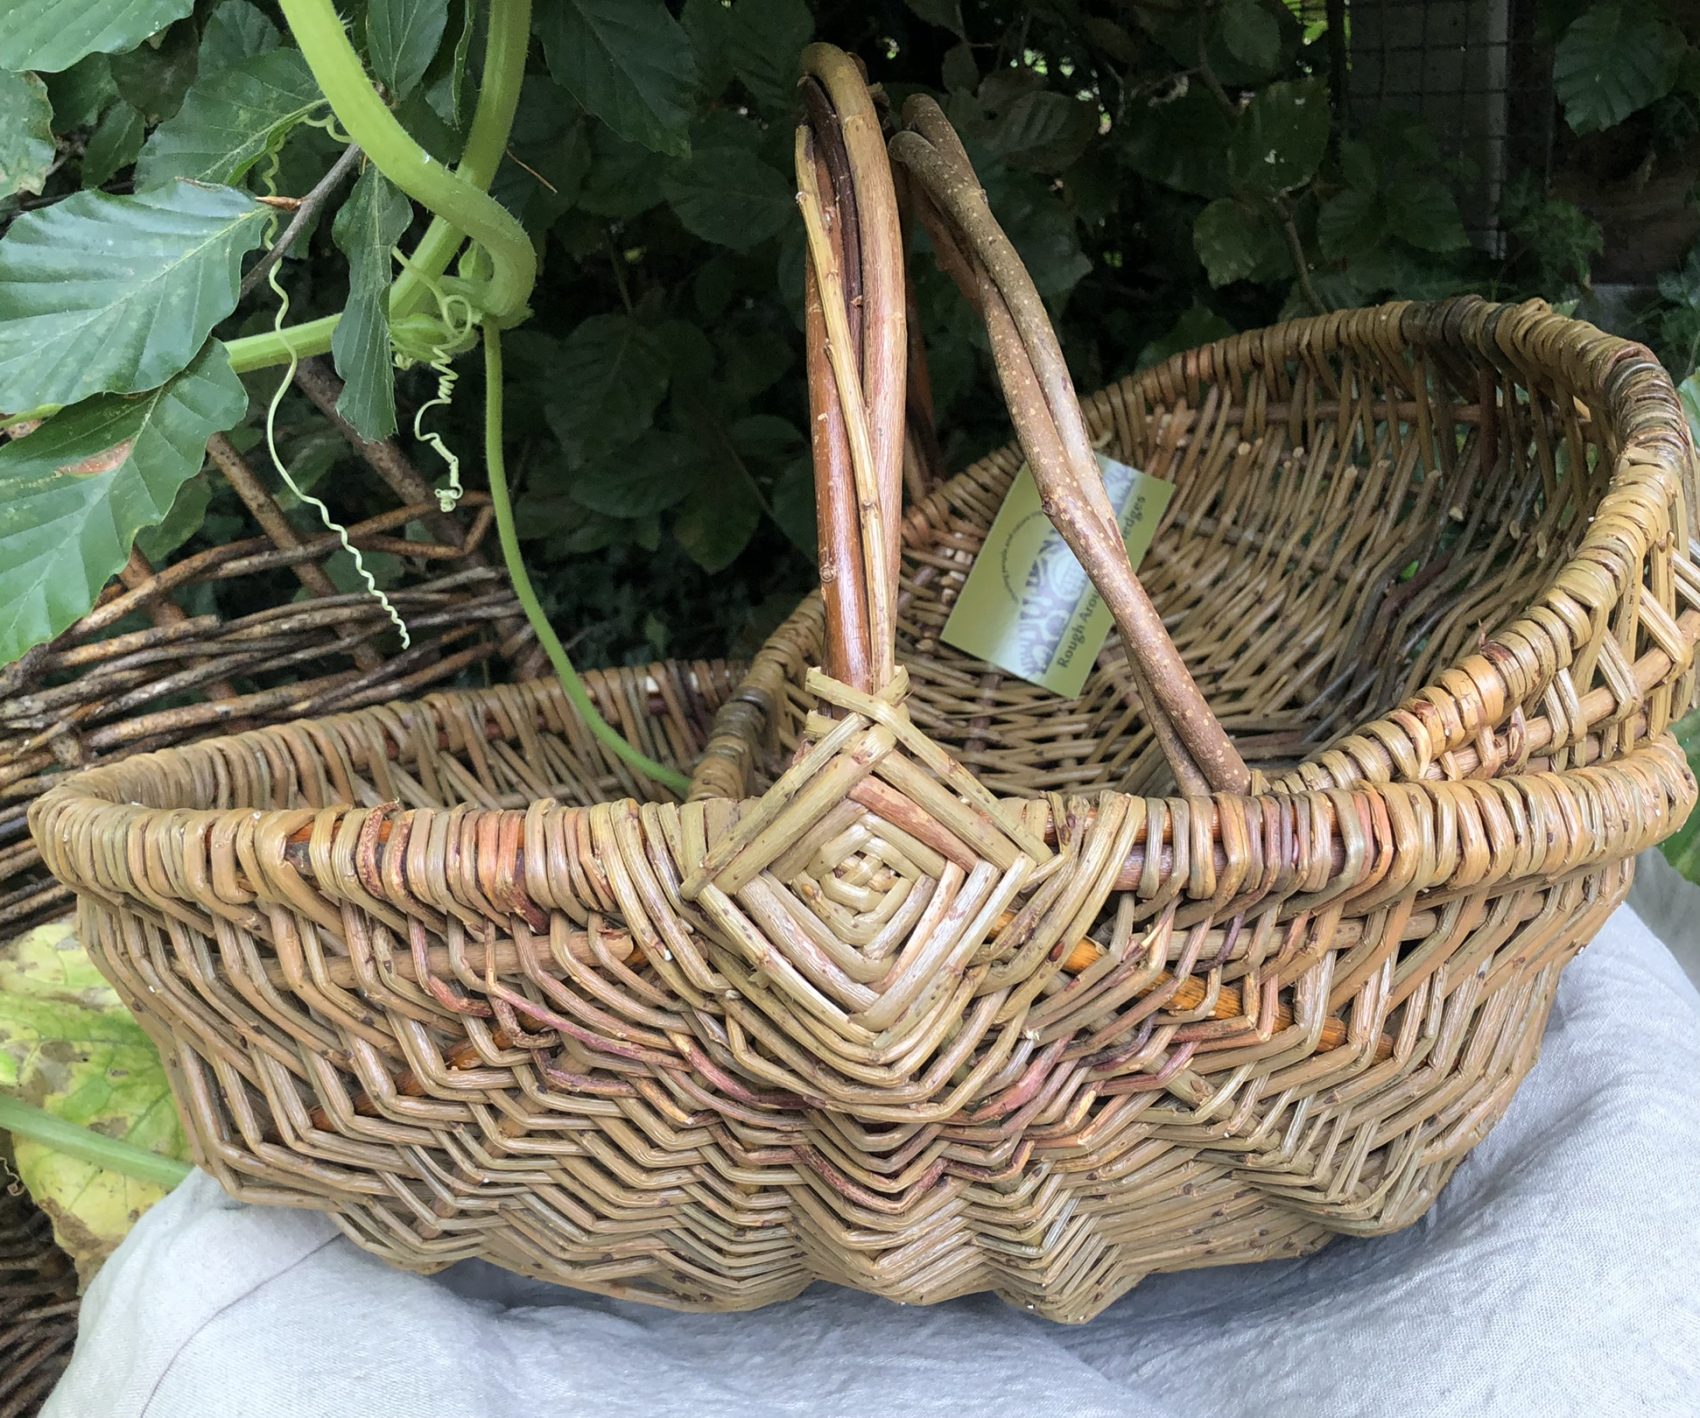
854 313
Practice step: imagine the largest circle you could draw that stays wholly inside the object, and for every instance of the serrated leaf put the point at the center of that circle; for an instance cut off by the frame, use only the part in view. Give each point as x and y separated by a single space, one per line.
652 473
1682 849
1043 131
116 294
81 93
402 38
716 522
1350 223
26 133
366 229
50 35
74 493
1280 137
611 375
231 119
235 30
1233 243
1613 61
729 196
115 143
1252 34
628 62
69 1047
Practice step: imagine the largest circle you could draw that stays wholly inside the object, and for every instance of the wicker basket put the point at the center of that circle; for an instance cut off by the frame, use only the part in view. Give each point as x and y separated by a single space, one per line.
878 1026
139 672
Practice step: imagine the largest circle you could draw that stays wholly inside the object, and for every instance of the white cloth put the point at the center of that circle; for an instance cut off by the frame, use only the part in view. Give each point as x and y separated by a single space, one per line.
1557 1275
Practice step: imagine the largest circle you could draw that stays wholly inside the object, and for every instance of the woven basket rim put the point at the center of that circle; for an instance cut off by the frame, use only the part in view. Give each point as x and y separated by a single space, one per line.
1655 449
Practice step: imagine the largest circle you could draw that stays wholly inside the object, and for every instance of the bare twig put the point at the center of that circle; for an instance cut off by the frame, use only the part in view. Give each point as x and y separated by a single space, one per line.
305 211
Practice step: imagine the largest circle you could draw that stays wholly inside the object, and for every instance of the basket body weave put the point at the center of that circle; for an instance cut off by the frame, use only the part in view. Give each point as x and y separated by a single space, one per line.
958 1003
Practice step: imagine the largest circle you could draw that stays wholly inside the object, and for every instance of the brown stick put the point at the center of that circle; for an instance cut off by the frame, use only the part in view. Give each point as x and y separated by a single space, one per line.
1047 418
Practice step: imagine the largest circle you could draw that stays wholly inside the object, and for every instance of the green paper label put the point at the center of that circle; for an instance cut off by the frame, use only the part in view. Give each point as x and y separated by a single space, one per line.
1027 605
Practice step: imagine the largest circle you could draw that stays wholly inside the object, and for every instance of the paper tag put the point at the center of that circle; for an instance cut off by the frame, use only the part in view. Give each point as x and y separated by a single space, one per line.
1027 605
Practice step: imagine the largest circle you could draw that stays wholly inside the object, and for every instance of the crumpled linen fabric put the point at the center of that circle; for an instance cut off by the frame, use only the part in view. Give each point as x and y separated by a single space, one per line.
1558 1274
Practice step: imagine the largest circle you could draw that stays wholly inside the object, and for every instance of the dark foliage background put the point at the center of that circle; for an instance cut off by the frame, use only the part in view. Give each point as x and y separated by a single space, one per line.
1171 171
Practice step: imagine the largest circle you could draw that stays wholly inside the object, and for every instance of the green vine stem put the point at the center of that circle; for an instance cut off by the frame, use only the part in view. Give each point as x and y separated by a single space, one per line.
576 693
487 140
86 1145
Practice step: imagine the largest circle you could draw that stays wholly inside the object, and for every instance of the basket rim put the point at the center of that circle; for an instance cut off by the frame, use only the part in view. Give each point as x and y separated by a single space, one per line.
1646 476
1387 840
1442 728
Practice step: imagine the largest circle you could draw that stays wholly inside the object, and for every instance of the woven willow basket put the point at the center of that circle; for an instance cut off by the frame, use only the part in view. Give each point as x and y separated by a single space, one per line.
879 1025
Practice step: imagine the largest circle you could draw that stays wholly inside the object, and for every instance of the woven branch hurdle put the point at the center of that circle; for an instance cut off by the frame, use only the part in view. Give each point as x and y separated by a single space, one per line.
38 1304
929 989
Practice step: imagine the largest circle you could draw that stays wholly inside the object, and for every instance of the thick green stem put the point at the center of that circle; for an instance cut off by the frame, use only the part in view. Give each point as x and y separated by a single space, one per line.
576 693
21 1120
492 121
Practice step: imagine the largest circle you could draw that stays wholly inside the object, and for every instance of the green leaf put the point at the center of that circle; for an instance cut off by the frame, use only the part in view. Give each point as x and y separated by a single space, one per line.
1234 244
101 293
235 30
74 493
649 475
1424 214
1252 34
1043 131
231 119
81 93
367 227
704 23
156 77
1613 61
1280 137
115 143
188 512
611 374
50 35
763 39
1197 326
624 180
402 38
629 63
26 133
729 196
793 501
946 14
1349 223
716 522
69 1047
1682 850
1183 143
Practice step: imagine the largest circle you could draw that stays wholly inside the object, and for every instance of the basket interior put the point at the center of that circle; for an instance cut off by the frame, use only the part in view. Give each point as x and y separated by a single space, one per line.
1346 524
